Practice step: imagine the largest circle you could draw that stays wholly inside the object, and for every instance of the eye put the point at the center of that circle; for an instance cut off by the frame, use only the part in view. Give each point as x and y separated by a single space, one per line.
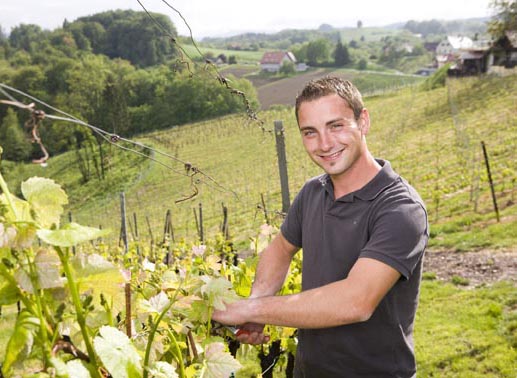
307 132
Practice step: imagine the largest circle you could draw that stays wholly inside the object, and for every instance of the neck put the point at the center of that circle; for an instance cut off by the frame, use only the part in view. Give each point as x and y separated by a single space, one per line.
357 176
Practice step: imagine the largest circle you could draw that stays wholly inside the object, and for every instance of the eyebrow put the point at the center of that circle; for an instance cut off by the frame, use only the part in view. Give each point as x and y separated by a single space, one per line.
305 128
340 119
328 123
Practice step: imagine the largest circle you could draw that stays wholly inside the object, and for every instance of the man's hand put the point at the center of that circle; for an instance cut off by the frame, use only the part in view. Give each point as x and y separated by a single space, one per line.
235 314
251 333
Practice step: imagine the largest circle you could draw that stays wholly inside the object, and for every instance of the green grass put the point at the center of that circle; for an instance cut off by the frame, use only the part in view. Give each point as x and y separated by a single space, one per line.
466 332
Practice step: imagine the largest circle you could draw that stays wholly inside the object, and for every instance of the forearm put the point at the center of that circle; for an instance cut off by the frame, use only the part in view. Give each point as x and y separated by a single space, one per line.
328 306
347 301
272 268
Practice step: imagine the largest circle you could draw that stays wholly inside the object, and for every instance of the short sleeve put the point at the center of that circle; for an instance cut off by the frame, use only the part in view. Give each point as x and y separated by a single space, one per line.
292 226
399 235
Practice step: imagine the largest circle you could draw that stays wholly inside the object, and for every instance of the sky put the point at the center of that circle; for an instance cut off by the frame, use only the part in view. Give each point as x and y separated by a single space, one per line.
212 18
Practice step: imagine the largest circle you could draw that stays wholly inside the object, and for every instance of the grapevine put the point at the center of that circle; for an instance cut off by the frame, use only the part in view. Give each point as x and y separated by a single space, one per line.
71 321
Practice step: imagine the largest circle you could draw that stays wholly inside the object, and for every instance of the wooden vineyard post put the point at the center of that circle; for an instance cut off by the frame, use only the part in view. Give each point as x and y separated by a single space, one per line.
127 287
224 226
123 224
487 163
168 236
151 253
282 165
199 223
136 236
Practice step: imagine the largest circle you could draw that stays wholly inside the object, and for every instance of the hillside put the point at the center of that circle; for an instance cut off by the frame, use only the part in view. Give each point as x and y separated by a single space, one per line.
411 128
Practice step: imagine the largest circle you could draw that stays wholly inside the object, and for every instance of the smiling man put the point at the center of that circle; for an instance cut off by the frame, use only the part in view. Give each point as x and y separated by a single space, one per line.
363 230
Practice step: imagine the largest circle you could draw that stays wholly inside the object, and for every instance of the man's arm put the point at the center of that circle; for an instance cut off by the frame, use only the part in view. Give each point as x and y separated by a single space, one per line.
350 300
272 267
270 275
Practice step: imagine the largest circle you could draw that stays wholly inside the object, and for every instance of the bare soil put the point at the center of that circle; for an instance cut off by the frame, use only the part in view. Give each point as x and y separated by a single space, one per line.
476 268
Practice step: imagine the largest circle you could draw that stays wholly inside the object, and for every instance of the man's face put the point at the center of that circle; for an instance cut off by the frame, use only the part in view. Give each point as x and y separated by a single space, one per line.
331 135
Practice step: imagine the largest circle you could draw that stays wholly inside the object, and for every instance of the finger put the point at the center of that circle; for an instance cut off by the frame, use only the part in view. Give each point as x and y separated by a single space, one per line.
253 338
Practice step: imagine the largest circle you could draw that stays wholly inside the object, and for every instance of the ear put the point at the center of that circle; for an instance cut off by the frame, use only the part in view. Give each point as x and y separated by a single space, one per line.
364 121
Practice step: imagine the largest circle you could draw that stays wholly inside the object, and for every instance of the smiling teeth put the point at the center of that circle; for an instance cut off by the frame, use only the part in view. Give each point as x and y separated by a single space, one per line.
332 155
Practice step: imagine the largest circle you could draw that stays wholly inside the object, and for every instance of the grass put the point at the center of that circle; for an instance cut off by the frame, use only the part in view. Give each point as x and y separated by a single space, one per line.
466 332
250 57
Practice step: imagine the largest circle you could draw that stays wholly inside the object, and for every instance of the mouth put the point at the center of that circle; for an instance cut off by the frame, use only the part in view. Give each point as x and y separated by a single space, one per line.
332 156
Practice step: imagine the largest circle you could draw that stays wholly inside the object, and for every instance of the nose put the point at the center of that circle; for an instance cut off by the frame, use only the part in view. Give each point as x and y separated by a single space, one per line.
326 142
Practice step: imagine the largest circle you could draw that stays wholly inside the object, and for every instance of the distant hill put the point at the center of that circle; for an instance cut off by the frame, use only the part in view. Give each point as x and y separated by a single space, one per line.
287 37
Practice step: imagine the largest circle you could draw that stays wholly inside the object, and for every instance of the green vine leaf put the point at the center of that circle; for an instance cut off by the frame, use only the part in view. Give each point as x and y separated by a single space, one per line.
20 344
48 267
154 305
219 291
117 353
99 276
9 293
46 199
218 362
22 209
70 369
70 235
163 369
92 263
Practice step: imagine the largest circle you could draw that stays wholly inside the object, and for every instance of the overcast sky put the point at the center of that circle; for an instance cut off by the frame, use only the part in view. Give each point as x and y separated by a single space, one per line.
227 17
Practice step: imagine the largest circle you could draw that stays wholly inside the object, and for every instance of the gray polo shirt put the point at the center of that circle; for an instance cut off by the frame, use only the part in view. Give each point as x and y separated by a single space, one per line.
385 220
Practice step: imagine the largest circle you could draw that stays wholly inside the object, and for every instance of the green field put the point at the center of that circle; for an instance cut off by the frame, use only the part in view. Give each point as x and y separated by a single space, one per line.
249 57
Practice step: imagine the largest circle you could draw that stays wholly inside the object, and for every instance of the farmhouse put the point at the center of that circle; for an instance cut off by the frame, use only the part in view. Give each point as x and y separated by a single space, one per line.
272 61
450 49
504 50
483 57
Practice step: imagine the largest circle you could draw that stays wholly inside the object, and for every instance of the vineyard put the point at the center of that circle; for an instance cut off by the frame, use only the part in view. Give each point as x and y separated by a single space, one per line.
94 304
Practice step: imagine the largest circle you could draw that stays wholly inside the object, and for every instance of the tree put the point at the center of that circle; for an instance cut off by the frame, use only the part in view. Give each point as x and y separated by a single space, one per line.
129 35
287 68
363 64
505 17
14 143
26 37
341 55
318 51
359 24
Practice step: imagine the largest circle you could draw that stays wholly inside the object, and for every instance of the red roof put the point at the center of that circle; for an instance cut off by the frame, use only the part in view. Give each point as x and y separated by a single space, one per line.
276 57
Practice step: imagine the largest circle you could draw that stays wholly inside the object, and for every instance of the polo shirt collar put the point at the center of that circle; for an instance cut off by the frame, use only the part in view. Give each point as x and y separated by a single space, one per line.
384 178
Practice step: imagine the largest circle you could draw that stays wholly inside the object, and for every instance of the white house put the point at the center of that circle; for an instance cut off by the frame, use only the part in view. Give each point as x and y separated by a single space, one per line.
272 60
451 48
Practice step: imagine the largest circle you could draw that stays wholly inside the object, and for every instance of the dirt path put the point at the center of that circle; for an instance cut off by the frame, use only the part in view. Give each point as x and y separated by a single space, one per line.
476 267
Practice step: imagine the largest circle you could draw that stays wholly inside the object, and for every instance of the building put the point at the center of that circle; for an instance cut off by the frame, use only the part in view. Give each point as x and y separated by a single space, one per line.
450 49
272 61
504 50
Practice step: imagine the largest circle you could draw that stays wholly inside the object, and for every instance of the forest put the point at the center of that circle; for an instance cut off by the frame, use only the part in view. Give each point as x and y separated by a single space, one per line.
115 70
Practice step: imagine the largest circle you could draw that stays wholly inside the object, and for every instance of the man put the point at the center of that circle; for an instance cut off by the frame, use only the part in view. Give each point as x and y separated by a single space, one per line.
363 231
